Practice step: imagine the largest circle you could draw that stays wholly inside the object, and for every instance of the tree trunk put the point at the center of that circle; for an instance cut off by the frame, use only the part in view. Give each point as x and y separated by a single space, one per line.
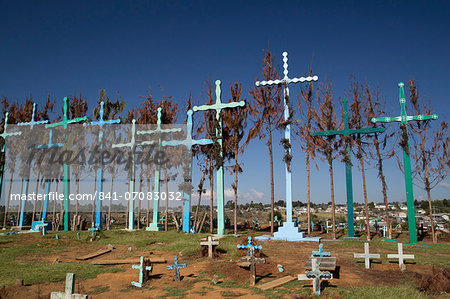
236 170
272 187
7 199
20 202
333 216
54 201
361 160
383 186
35 201
148 202
431 212
308 192
211 198
108 225
76 201
139 203
200 186
94 203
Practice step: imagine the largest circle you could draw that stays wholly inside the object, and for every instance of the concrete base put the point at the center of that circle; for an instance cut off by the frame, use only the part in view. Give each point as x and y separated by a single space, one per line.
288 232
155 227
351 239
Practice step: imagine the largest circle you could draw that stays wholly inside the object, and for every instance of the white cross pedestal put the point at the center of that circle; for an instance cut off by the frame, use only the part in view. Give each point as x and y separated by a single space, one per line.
210 243
68 293
400 256
366 255
315 275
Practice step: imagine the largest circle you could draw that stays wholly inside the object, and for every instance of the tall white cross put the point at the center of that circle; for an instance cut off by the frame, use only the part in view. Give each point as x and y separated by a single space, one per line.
366 255
400 256
287 131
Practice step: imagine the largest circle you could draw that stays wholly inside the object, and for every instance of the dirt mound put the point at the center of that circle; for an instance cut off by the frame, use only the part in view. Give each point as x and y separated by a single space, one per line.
437 283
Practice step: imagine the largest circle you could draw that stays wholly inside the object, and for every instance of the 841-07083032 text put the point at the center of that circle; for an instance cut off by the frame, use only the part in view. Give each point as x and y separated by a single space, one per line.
141 196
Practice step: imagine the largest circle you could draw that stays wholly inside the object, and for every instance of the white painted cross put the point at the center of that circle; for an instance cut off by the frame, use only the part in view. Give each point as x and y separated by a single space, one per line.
366 255
400 256
210 243
68 293
315 275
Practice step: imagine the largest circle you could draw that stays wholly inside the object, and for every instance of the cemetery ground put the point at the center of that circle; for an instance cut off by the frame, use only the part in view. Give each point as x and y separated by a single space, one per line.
43 261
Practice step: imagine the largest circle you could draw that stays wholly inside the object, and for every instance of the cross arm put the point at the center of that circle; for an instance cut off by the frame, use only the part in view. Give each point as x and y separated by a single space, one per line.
367 130
422 117
327 133
386 119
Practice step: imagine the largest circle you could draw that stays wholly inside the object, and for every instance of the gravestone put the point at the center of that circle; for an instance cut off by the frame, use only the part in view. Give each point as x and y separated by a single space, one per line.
144 267
401 257
42 226
211 244
404 118
249 246
176 267
316 276
68 293
320 253
366 255
252 261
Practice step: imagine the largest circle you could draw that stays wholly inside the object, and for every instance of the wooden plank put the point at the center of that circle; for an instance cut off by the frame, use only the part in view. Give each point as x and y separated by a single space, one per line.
157 260
94 254
244 264
326 263
276 282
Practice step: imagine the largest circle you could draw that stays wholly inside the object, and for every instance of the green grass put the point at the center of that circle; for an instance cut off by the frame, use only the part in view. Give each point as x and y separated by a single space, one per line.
374 292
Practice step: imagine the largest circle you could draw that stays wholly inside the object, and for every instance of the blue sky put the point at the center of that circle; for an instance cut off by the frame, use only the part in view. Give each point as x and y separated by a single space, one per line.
62 48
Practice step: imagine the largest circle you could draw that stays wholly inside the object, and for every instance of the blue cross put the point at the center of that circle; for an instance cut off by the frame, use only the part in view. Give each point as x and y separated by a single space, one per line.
249 245
32 122
175 267
101 122
141 269
188 142
320 253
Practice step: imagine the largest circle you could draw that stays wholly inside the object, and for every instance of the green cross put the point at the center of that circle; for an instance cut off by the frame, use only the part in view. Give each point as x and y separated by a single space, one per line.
155 225
348 168
404 118
64 123
218 106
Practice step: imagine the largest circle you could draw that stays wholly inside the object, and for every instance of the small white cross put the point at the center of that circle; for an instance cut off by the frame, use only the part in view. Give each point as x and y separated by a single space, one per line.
366 255
315 275
68 294
400 256
210 243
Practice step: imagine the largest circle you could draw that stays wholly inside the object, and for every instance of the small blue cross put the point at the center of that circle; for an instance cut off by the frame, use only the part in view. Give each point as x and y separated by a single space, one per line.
320 253
249 245
141 269
175 267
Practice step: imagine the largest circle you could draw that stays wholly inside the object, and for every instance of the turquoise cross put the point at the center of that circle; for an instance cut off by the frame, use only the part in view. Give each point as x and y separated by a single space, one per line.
249 245
219 106
65 122
132 146
290 229
101 122
31 123
155 225
49 145
348 168
142 268
320 253
176 267
3 135
404 118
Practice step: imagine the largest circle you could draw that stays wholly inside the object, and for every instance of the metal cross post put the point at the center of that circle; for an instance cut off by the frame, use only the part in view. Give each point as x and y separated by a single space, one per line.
252 260
249 245
142 272
132 146
316 275
366 255
100 122
320 253
2 166
48 181
68 293
176 267
155 225
288 229
219 106
210 243
31 123
64 123
188 142
400 256
348 168
404 118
